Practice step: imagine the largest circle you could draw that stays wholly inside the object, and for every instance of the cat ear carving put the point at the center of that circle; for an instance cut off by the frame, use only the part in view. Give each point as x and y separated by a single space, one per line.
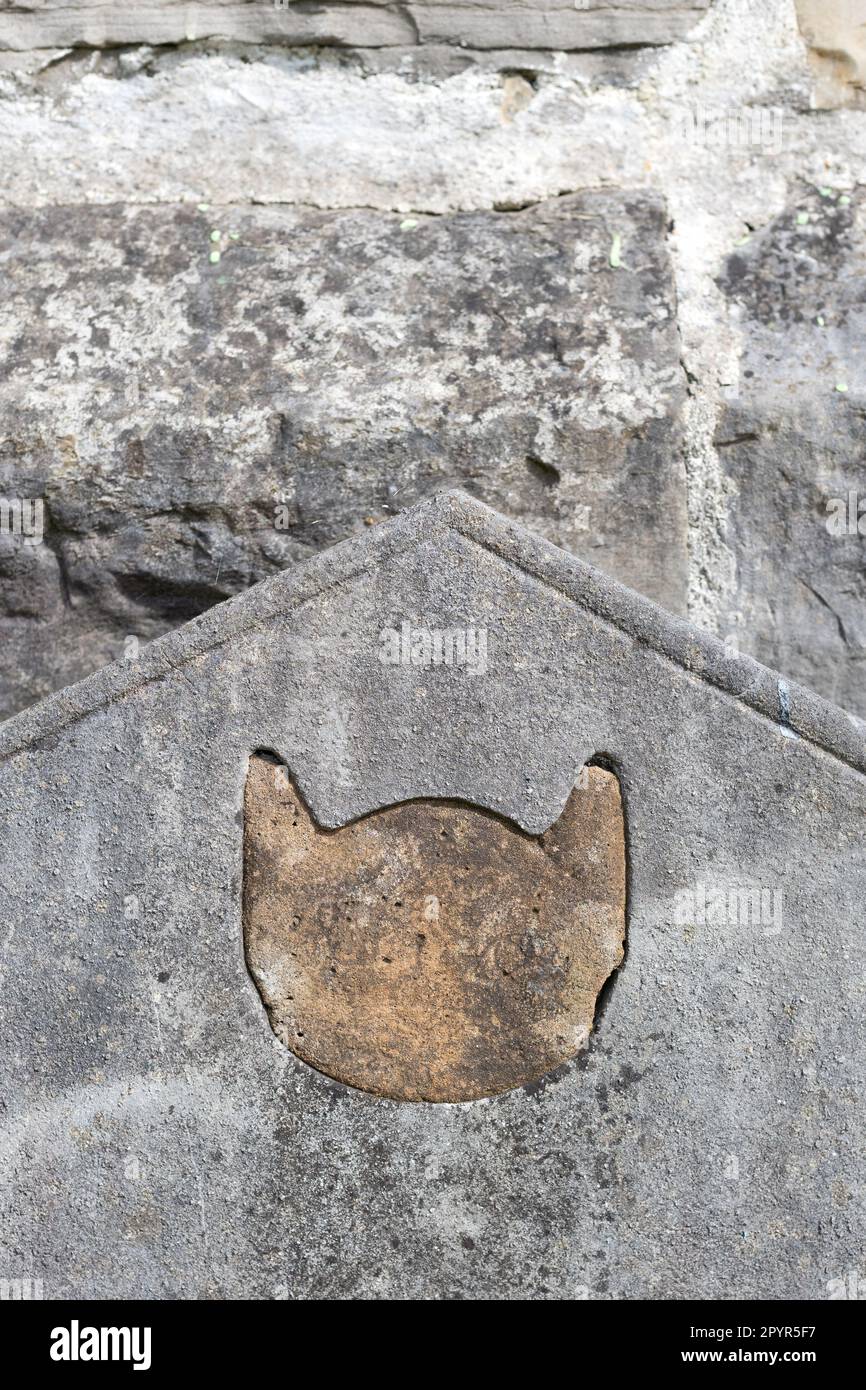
432 950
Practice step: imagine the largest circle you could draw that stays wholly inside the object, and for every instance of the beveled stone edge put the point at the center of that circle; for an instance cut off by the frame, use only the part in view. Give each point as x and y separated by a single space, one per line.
794 709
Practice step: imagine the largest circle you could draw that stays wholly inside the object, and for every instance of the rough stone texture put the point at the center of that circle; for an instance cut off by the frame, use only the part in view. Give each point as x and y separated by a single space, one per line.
835 31
721 129
193 426
432 951
792 441
560 24
159 1141
242 124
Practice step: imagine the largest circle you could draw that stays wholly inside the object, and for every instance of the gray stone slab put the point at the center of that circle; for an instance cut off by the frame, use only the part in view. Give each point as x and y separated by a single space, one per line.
791 443
195 426
159 1141
559 24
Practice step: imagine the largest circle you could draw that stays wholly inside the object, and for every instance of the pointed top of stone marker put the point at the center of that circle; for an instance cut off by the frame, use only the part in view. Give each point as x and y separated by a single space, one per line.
496 546
178 973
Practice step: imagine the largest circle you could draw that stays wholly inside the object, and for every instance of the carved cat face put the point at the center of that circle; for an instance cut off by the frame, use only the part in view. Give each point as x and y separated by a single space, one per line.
432 950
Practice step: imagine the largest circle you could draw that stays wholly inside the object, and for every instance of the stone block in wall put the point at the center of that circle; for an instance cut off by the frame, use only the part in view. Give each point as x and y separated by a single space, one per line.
204 396
791 444
544 24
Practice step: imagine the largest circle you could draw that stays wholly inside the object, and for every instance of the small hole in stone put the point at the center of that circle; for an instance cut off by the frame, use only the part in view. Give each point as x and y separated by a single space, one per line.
545 473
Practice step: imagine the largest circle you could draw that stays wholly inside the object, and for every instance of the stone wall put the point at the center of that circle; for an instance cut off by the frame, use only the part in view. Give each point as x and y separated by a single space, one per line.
271 273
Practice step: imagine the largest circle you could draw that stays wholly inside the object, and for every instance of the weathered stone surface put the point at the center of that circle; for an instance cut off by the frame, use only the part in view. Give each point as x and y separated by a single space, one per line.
153 1128
59 24
560 24
432 951
246 123
597 67
791 440
434 127
835 31
194 427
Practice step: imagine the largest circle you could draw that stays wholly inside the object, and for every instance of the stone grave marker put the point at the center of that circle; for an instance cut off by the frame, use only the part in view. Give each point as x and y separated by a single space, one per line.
299 843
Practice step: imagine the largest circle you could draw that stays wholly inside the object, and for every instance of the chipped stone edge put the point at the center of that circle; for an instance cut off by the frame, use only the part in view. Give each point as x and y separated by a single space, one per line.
796 711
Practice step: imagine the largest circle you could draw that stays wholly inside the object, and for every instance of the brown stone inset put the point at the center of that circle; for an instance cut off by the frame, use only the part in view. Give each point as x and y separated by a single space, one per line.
432 951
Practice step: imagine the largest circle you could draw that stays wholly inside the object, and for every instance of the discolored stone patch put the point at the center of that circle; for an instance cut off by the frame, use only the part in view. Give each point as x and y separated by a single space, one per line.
836 35
432 950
